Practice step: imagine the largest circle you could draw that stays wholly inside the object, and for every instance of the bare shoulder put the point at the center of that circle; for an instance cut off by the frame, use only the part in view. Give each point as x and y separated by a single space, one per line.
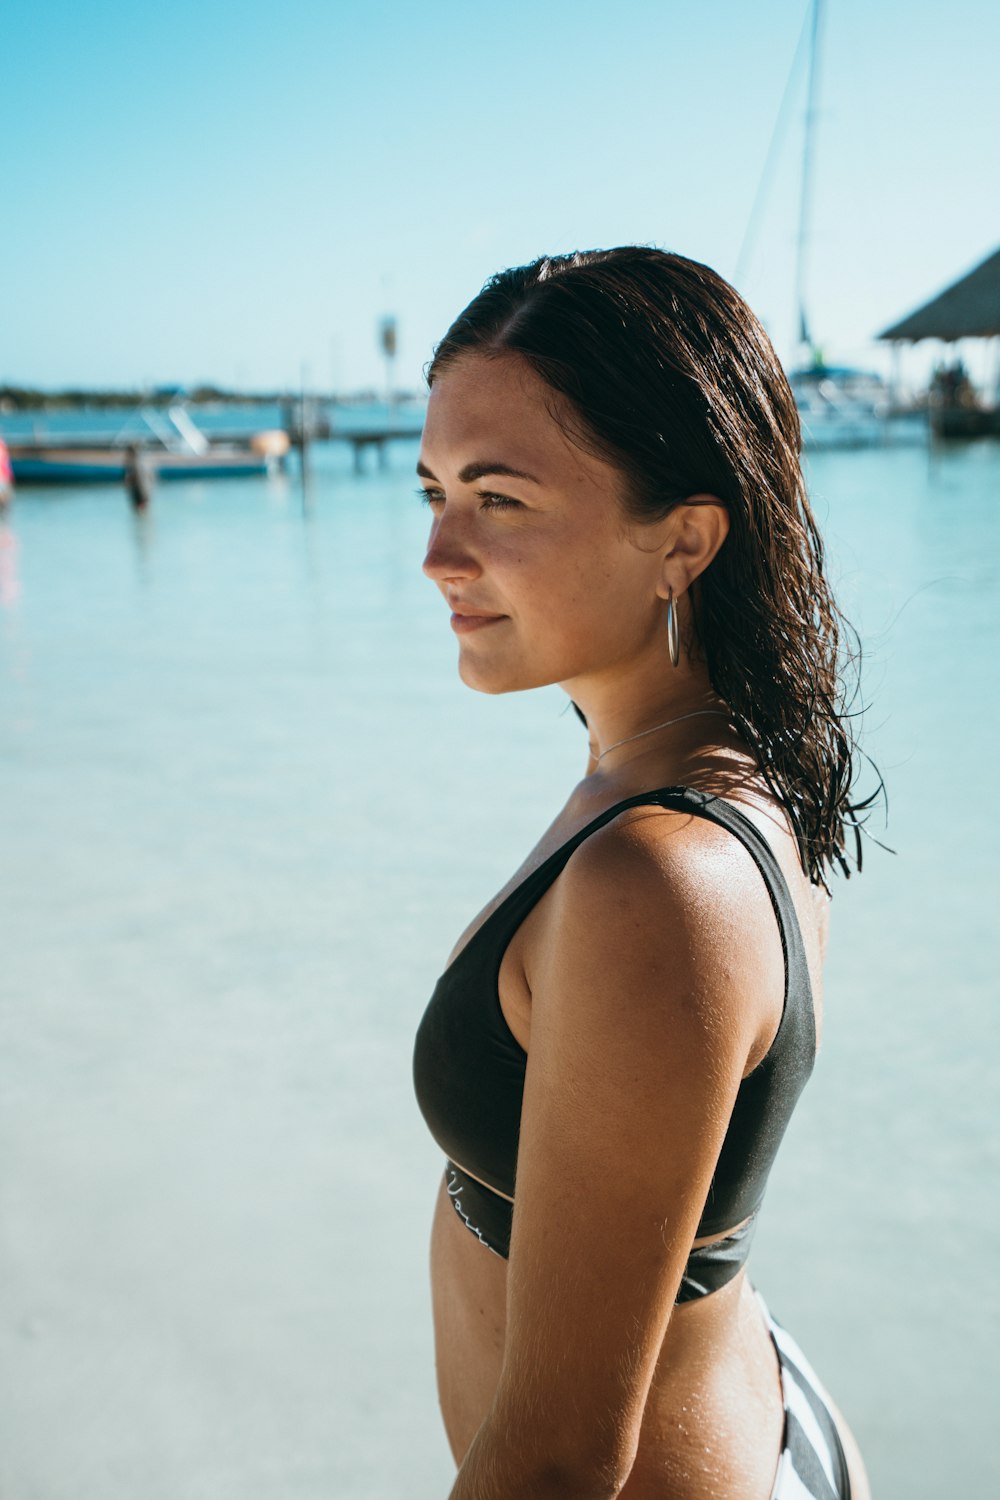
664 867
663 892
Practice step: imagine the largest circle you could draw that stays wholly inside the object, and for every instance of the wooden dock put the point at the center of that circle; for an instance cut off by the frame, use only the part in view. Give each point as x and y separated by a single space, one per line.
319 427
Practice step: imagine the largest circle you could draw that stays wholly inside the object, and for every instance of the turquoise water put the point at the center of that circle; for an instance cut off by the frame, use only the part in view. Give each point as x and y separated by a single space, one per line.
247 808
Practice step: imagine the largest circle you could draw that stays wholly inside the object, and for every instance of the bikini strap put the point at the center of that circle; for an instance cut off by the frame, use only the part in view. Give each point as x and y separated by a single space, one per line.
702 804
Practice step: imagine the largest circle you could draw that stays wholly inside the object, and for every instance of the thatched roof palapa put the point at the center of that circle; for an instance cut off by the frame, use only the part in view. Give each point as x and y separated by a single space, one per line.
968 309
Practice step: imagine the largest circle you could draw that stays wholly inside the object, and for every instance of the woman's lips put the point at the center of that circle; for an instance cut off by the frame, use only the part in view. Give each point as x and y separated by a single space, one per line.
462 624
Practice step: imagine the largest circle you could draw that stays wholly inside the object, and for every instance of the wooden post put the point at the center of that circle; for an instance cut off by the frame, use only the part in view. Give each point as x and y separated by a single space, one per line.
389 339
304 444
140 475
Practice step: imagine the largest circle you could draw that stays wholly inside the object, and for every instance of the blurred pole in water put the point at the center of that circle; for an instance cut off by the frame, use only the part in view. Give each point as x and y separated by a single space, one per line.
6 476
304 440
140 476
389 342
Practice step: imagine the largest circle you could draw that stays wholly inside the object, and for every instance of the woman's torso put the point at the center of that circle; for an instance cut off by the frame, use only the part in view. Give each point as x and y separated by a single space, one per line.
713 1418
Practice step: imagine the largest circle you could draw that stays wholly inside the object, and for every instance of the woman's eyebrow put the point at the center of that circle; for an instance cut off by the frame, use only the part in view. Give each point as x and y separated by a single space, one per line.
479 470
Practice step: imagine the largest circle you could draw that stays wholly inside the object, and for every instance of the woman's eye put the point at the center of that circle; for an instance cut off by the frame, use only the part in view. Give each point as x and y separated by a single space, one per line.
491 501
488 500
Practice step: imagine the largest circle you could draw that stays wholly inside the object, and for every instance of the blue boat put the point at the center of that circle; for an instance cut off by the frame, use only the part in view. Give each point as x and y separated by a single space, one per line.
172 446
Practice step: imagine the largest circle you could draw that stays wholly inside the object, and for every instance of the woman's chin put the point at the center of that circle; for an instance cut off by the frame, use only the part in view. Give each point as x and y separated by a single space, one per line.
477 676
493 676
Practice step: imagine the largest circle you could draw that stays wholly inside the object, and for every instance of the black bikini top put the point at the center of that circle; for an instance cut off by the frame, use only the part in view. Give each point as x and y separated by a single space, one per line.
469 1069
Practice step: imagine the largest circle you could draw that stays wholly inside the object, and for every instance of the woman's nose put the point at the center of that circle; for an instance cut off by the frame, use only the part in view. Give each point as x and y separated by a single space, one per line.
449 554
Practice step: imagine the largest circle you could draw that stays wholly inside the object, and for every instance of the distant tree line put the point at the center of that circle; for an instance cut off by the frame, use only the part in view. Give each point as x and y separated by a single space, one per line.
28 398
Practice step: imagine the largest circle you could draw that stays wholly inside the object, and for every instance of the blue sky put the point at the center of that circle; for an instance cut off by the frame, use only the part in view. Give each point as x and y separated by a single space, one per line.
228 192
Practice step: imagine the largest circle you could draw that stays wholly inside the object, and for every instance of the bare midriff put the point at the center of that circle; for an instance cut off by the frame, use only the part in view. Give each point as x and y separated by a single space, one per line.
713 1420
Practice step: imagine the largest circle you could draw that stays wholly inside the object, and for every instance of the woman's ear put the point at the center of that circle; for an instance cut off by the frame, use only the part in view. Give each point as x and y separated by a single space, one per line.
696 531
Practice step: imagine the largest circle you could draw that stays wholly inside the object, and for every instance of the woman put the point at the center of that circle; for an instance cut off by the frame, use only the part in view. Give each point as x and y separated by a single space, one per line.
611 459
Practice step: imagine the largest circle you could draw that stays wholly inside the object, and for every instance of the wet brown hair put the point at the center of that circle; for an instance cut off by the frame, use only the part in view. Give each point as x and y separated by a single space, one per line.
671 378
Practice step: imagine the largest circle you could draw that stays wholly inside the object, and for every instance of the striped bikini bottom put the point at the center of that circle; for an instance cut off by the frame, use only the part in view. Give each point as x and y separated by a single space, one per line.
812 1465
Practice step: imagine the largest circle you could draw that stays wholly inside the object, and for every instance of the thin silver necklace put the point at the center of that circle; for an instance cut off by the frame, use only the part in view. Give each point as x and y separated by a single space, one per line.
696 713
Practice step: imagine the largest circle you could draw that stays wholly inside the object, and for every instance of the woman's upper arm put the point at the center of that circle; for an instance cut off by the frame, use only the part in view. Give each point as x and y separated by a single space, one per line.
639 1036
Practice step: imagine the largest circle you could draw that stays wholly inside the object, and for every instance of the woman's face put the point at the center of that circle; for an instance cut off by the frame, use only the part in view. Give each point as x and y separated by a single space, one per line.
528 542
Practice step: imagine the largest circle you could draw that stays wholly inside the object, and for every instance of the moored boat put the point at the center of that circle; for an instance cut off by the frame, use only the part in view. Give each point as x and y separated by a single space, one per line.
173 447
839 406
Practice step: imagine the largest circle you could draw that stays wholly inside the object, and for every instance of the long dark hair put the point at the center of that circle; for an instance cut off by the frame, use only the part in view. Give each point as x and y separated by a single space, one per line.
671 378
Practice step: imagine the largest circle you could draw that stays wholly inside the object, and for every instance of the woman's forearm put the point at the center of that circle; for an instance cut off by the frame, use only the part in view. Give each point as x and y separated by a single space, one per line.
495 1469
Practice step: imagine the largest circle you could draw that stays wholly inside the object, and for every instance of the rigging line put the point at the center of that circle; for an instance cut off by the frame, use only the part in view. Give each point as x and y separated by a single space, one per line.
777 135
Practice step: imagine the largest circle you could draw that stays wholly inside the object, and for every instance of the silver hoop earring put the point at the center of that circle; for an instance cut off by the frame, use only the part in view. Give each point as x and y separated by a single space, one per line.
673 631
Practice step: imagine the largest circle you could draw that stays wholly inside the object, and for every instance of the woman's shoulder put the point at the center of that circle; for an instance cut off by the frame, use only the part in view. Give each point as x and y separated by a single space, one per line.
660 902
649 851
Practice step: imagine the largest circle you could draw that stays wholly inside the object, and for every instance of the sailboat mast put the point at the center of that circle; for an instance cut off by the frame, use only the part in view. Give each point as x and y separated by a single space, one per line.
805 194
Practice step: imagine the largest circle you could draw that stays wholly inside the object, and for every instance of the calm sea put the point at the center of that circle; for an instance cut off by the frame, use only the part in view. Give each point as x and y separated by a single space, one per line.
247 807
